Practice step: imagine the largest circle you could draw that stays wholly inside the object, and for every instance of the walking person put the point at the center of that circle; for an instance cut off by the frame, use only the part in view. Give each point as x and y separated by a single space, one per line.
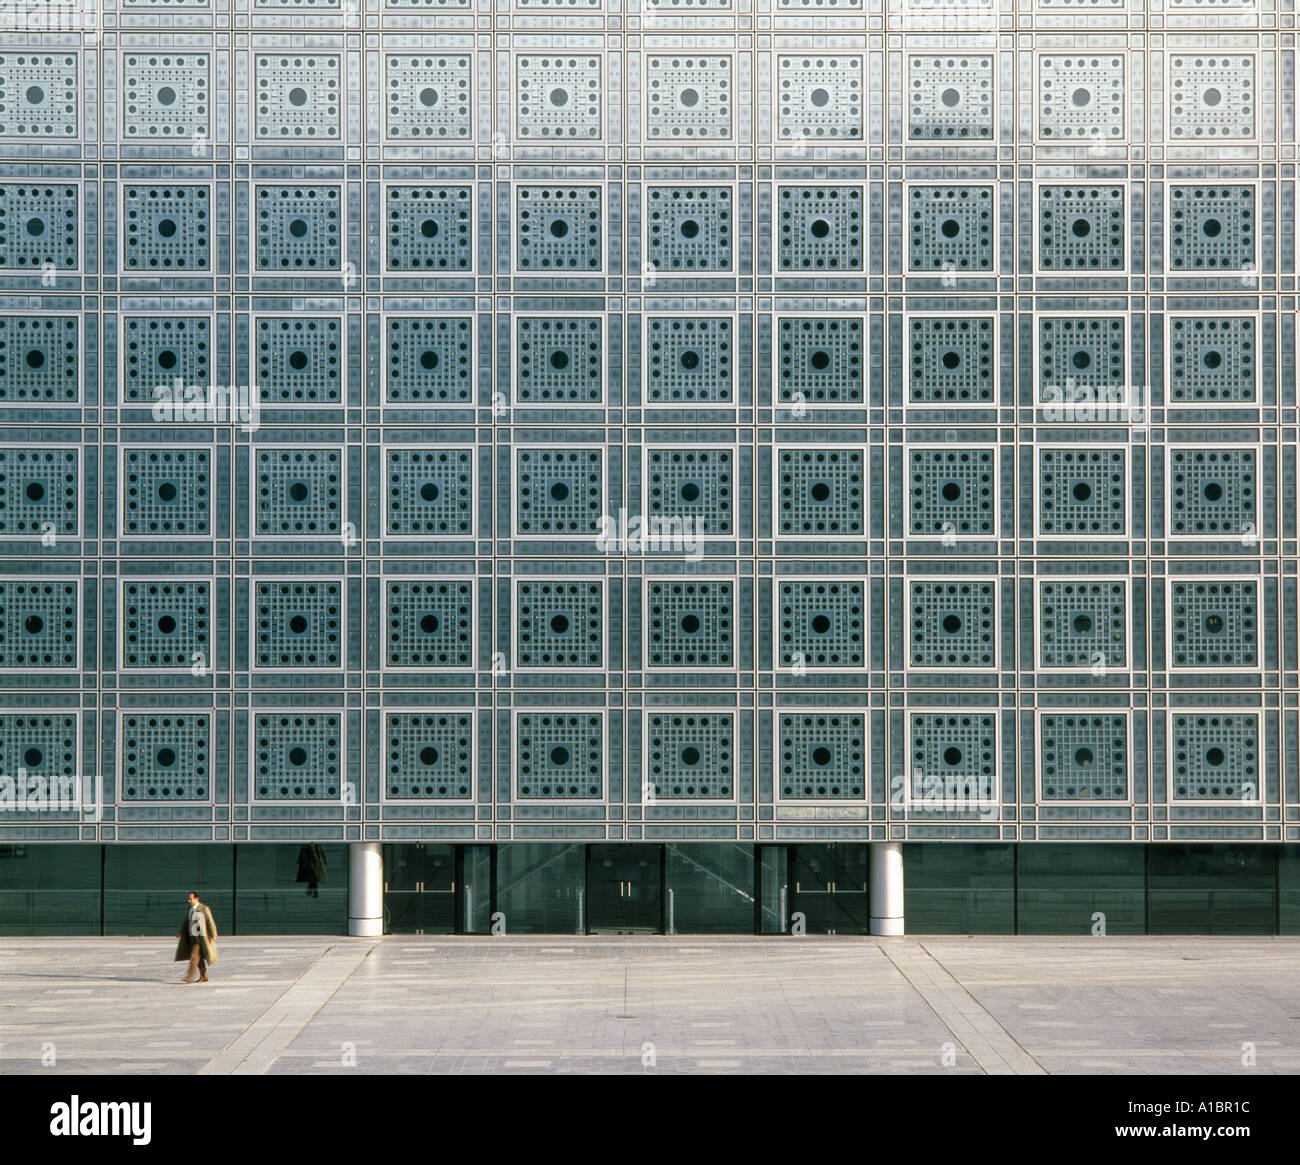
198 940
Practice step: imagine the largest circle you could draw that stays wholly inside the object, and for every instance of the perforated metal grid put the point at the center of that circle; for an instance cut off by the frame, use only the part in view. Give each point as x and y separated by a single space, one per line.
166 625
822 624
952 624
559 228
950 229
559 360
297 624
38 94
430 228
166 493
39 360
689 96
166 228
559 493
1213 360
158 351
689 361
298 361
1213 493
1083 757
950 97
764 346
820 361
39 747
689 229
820 492
428 756
39 624
820 228
299 493
559 757
691 756
1082 493
559 624
166 96
429 492
1215 756
821 756
952 491
40 492
690 624
952 760
166 757
428 97
39 227
951 361
1213 624
297 757
429 624
1083 625
430 361
692 483
299 228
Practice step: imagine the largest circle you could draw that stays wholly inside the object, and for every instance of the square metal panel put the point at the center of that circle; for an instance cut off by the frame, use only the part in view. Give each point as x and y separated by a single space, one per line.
821 756
299 493
1083 756
40 360
39 227
690 755
298 756
952 624
39 95
429 755
40 492
559 756
298 623
40 624
951 97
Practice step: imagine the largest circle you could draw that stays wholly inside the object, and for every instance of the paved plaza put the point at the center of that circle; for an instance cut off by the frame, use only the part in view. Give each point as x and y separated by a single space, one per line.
670 1005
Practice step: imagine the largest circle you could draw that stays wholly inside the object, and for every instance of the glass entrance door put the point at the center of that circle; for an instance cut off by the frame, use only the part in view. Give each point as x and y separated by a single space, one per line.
624 889
830 887
419 889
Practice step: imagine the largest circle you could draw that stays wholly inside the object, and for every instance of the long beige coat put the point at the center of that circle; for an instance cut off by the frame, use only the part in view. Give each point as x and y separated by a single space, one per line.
209 940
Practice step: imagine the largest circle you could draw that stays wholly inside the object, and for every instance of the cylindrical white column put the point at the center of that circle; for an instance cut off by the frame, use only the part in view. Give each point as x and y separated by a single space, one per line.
887 887
365 889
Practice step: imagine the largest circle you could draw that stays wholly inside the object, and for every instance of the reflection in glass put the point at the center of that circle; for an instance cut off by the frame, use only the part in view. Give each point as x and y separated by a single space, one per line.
49 889
1212 889
476 897
419 888
1075 889
959 888
541 888
145 886
291 889
773 889
710 889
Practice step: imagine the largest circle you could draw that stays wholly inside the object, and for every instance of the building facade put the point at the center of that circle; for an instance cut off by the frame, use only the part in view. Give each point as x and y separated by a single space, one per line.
650 466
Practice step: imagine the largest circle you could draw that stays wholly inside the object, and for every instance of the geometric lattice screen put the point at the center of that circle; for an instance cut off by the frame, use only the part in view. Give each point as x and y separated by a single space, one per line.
657 421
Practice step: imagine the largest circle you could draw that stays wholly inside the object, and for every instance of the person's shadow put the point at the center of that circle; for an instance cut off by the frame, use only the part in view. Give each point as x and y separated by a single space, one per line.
91 978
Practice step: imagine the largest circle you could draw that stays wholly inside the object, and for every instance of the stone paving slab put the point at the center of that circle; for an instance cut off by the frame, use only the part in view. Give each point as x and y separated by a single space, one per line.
324 1004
